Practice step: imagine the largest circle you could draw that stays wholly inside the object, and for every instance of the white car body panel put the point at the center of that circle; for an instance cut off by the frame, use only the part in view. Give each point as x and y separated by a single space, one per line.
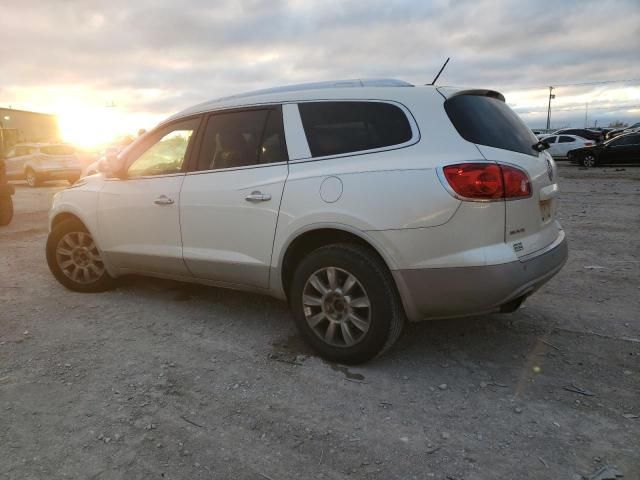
135 233
226 237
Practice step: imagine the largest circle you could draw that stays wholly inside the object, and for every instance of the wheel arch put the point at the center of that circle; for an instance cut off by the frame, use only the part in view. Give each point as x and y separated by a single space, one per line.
313 237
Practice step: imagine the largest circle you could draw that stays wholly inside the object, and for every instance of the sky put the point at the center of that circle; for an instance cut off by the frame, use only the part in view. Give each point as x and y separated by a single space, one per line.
108 67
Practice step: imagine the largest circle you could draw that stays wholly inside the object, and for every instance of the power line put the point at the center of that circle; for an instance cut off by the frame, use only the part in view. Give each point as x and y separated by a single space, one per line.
554 85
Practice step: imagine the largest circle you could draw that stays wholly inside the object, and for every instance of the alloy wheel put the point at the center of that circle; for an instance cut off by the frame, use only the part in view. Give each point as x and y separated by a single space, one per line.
336 307
589 161
79 258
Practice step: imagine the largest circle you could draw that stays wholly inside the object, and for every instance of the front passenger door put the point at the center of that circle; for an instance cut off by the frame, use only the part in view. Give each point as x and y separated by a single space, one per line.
138 215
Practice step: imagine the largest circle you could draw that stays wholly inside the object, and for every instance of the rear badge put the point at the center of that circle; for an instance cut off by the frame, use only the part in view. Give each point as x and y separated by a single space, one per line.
549 170
517 247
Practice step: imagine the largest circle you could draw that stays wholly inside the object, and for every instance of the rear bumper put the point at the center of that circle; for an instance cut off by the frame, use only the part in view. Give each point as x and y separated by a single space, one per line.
462 291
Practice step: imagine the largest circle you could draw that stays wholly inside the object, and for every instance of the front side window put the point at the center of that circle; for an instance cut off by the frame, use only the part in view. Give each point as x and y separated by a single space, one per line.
550 140
243 138
165 152
626 140
334 128
565 139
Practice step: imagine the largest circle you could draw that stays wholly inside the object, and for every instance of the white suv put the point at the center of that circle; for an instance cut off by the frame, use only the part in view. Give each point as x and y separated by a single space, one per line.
363 203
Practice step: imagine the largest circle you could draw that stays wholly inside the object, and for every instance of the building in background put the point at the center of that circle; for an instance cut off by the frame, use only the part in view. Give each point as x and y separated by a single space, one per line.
22 126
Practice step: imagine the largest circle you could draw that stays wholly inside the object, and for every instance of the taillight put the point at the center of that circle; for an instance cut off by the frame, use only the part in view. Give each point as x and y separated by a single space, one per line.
588 144
487 181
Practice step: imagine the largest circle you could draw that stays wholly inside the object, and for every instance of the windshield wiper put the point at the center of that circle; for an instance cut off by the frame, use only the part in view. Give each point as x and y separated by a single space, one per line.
541 146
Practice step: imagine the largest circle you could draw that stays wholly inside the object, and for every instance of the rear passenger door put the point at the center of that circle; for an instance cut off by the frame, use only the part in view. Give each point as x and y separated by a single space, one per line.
230 199
565 143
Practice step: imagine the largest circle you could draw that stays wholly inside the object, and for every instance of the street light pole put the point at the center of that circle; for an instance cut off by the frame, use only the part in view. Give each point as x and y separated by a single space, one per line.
551 95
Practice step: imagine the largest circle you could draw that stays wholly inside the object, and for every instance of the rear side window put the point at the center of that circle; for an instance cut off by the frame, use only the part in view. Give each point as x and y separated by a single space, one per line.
334 128
57 150
243 138
489 121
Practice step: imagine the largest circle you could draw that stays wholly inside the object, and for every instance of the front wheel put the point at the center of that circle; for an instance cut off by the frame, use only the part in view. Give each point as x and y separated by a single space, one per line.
345 304
32 178
6 210
589 160
74 259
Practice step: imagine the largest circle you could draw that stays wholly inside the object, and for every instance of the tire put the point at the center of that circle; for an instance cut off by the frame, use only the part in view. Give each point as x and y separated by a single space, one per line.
31 178
6 210
588 160
317 302
70 249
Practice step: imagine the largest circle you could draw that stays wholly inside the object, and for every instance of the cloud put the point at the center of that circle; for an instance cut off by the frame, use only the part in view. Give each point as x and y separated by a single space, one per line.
194 50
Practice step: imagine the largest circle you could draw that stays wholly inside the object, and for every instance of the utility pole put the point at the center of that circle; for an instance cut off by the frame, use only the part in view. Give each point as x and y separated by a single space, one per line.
551 95
586 114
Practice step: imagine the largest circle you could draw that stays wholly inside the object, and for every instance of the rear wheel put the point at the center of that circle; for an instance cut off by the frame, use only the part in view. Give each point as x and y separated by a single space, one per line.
32 178
345 304
6 210
589 160
75 260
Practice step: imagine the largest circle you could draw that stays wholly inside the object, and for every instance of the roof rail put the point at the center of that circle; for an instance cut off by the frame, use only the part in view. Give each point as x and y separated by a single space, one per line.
366 82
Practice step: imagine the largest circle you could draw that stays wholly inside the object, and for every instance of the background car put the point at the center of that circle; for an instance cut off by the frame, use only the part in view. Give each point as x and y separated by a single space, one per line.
560 145
586 133
622 149
40 162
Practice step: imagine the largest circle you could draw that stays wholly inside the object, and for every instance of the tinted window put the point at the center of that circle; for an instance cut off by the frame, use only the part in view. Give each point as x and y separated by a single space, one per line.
165 151
240 139
333 128
489 121
626 140
57 150
565 139
550 140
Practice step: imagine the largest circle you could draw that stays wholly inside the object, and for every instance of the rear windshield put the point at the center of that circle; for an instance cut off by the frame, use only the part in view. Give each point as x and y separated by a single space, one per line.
334 128
489 121
57 150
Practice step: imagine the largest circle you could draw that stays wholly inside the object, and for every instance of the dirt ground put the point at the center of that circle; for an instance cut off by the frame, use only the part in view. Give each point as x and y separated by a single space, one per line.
163 380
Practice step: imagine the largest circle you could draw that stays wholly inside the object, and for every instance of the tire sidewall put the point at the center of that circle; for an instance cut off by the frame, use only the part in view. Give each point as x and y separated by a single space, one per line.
105 282
371 277
6 210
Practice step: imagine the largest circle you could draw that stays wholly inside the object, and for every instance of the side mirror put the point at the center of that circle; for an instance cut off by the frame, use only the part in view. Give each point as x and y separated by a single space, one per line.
111 166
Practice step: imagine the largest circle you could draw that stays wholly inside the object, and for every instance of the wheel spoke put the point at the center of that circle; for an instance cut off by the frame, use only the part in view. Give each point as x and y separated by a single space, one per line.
309 300
68 241
316 319
358 322
64 251
75 274
346 334
361 302
317 284
330 333
94 268
348 284
331 276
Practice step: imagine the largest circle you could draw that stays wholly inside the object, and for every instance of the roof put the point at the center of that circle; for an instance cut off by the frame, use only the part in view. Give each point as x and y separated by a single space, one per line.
290 93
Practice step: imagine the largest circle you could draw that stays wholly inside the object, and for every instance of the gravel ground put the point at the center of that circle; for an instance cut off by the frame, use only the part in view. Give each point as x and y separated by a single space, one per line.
160 379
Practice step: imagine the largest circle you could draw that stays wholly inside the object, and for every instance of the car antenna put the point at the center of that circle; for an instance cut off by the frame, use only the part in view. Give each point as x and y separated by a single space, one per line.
438 75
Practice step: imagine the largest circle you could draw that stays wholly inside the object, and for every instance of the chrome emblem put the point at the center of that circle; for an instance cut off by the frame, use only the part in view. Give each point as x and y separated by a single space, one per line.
549 170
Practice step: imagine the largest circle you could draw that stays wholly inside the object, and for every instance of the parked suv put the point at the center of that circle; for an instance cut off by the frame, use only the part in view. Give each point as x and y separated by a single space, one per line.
6 190
39 162
363 203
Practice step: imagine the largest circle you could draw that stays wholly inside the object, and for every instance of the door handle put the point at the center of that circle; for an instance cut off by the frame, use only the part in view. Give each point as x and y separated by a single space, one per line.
163 200
257 196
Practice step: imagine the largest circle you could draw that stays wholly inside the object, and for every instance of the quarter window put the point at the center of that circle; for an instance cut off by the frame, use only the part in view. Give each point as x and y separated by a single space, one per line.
334 128
166 151
243 138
